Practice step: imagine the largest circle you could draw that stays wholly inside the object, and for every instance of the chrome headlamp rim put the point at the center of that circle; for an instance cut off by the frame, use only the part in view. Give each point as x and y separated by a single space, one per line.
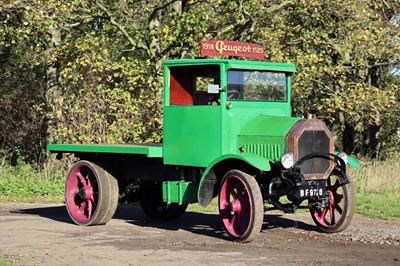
287 160
342 155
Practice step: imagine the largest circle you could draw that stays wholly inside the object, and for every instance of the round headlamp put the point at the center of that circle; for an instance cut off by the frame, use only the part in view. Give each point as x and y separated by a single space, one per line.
343 156
287 160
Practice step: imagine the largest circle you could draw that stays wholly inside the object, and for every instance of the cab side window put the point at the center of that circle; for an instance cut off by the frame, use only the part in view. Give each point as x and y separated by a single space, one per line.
189 84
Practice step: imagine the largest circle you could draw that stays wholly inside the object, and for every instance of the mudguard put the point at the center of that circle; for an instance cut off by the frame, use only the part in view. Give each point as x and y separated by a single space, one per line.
208 179
353 162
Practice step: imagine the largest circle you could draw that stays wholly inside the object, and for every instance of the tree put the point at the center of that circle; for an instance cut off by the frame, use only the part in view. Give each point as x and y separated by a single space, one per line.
22 80
344 52
92 70
112 58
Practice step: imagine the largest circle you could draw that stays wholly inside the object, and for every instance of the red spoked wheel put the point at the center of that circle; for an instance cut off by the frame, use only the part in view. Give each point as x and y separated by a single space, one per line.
241 206
338 213
91 194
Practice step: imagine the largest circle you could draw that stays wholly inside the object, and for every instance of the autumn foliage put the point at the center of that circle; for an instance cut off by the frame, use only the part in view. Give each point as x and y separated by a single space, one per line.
91 71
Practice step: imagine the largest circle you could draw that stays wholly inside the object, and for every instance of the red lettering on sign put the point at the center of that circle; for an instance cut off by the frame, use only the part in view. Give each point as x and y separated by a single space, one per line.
231 48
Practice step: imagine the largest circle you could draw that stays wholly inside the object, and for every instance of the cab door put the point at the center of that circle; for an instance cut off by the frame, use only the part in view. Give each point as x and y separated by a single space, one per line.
192 115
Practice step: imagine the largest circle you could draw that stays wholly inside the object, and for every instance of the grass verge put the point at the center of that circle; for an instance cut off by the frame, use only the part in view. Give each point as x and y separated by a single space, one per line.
41 199
384 206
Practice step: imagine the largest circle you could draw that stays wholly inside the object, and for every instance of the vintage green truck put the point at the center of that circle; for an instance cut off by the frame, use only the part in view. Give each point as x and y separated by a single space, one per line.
228 132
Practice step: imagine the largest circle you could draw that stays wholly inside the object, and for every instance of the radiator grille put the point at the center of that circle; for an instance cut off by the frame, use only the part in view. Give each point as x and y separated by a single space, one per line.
310 142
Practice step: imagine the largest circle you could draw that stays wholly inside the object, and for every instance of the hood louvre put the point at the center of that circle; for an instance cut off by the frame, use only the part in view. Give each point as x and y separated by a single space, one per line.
269 151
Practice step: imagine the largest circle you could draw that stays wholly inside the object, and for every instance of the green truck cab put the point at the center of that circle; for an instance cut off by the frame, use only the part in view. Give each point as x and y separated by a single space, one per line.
228 133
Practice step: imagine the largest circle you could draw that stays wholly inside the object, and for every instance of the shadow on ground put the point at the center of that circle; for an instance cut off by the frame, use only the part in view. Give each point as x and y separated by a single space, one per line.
208 224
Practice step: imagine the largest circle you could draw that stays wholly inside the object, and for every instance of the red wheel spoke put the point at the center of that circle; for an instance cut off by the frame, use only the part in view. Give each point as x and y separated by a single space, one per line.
89 209
321 214
73 191
90 196
332 215
223 205
81 178
82 208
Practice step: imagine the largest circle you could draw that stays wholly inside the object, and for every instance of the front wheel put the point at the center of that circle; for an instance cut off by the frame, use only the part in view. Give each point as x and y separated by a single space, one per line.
91 194
338 213
240 206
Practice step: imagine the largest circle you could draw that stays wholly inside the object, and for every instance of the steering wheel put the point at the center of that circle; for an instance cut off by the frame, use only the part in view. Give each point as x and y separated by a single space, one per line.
233 94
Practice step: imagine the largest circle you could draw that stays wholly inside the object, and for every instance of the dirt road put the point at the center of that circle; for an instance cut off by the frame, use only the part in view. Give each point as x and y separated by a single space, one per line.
44 235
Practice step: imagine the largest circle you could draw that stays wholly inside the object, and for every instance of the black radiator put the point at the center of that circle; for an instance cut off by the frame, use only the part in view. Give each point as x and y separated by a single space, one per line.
310 142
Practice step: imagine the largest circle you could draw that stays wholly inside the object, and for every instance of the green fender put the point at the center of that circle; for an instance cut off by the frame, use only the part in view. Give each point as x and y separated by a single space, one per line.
353 162
208 179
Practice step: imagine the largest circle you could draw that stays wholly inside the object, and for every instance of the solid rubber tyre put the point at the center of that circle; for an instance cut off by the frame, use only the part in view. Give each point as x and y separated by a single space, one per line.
91 194
240 206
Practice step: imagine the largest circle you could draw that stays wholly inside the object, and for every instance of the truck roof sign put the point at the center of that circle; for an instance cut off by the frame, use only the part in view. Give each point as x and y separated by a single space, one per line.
231 48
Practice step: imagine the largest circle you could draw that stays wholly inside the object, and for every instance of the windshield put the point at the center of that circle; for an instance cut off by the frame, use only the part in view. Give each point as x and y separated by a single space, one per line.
250 85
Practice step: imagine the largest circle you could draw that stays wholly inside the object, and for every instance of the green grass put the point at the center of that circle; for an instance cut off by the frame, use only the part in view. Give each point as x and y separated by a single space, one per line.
42 199
377 186
384 206
25 182
5 263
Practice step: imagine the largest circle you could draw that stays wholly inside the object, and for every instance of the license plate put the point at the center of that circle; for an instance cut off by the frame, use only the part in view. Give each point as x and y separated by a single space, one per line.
316 190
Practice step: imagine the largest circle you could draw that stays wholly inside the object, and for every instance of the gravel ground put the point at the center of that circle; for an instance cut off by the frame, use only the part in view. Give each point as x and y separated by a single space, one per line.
43 235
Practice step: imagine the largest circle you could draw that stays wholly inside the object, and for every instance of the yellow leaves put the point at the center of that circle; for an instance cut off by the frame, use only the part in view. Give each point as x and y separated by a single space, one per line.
365 105
166 30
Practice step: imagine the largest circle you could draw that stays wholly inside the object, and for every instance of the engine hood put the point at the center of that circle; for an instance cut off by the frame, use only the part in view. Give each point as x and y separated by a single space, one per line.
265 136
270 137
265 125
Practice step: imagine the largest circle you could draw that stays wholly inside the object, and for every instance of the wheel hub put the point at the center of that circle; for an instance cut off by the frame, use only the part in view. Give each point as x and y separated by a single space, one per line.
234 206
230 207
82 193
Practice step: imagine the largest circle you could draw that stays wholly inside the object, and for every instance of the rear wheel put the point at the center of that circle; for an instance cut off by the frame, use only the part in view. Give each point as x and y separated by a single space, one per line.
91 194
240 206
153 205
338 213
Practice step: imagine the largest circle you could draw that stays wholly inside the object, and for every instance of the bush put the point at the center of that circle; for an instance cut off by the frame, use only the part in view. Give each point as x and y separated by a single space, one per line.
25 180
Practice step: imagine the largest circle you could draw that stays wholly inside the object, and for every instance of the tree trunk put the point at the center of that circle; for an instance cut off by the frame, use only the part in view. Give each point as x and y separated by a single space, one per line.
53 93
